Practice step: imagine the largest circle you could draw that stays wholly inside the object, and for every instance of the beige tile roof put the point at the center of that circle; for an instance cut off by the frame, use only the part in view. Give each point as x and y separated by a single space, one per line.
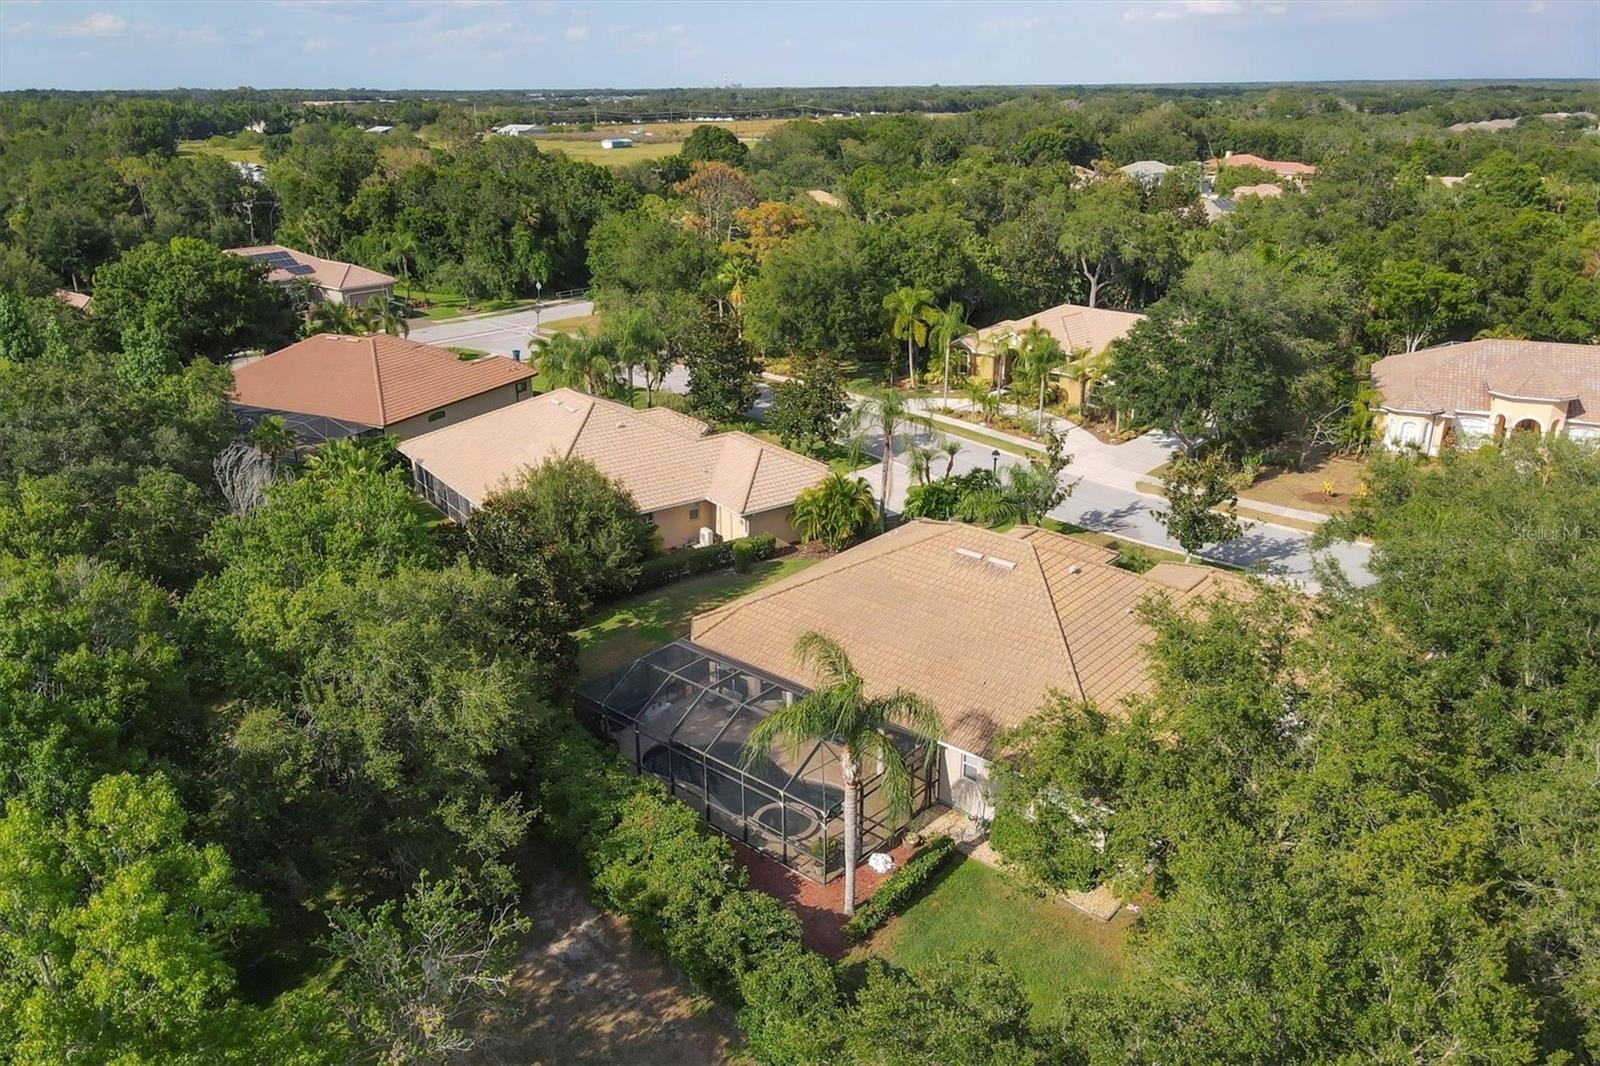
73 299
664 458
1460 377
376 380
983 624
1266 189
327 273
1074 327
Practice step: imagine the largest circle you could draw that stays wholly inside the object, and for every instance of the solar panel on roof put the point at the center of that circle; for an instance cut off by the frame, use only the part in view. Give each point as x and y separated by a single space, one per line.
297 269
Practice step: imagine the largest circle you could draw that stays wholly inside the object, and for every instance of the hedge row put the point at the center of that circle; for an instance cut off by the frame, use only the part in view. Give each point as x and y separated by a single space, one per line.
902 886
651 858
689 562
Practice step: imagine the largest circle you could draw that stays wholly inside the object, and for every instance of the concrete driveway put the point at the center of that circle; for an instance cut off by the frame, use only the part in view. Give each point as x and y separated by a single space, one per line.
496 334
1099 501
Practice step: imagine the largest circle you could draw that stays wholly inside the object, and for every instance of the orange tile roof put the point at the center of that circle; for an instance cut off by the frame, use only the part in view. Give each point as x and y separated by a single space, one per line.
376 380
1460 377
1284 168
985 625
663 458
327 273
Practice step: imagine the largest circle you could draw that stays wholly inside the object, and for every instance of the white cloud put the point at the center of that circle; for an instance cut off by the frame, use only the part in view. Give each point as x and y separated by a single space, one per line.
577 34
99 24
321 42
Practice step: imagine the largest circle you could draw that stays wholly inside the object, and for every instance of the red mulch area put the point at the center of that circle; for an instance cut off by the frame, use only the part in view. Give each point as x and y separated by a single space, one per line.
820 907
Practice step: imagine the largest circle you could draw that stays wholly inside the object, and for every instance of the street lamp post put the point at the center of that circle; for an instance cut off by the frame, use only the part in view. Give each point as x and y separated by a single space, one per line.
994 462
538 303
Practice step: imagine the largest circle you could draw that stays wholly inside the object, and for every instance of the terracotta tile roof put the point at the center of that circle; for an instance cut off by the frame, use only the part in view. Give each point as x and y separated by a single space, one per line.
983 624
376 380
73 299
1460 377
664 458
327 273
1074 326
1284 168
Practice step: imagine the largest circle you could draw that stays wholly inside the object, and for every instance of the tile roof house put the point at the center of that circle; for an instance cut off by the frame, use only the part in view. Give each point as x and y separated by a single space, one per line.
330 386
1484 389
1148 172
1266 190
686 478
333 281
1284 168
984 625
1079 330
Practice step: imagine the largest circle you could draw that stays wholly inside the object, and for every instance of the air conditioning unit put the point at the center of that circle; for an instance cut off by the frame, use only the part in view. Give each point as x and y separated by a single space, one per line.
708 536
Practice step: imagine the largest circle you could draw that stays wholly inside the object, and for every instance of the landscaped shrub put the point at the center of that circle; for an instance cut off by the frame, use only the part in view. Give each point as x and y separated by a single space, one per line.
791 1013
901 887
653 860
743 555
689 562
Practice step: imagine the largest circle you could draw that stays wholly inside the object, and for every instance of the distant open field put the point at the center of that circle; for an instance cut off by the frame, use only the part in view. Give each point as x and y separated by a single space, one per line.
222 151
589 151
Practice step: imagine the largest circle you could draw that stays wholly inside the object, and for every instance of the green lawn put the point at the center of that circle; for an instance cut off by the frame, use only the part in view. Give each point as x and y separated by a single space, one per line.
446 305
623 631
1053 949
591 152
222 149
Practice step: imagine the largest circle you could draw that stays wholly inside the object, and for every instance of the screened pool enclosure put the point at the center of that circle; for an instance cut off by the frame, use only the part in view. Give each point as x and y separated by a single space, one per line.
683 713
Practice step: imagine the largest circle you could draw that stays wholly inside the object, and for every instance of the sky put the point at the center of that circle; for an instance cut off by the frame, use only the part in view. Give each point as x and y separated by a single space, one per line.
518 44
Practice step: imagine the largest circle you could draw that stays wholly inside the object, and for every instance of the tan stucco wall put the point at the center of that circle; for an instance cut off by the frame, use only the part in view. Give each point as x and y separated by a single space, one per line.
953 792
459 411
779 522
730 524
678 529
1516 410
358 297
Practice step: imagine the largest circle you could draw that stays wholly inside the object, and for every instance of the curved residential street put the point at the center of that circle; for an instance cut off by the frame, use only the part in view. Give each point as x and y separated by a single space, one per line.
496 334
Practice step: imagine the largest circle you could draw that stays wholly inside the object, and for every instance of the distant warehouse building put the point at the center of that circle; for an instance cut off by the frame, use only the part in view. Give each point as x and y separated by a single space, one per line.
617 142
518 129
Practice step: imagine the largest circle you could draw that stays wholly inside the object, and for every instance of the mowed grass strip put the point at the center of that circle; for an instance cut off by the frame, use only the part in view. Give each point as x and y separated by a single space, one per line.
1055 951
625 630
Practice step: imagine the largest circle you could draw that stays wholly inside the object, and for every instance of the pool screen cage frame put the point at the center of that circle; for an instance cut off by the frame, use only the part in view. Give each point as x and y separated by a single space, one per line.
681 714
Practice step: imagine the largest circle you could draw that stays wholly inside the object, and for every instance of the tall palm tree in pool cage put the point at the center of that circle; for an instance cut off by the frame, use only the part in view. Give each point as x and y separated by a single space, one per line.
839 711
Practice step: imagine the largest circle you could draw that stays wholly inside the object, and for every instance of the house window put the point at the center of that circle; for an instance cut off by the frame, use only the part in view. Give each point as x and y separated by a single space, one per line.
972 768
435 416
522 387
694 512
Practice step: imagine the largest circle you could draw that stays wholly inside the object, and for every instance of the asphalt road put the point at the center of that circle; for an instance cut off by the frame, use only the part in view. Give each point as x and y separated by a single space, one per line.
497 334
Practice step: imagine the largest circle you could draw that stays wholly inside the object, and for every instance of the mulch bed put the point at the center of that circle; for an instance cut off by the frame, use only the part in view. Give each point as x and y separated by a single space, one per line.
819 907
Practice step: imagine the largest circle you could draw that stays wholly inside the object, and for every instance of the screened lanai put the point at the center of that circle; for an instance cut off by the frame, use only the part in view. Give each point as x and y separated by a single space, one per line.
683 713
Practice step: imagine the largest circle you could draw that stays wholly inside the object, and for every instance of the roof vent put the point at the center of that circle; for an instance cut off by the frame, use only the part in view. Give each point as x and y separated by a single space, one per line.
1001 564
968 553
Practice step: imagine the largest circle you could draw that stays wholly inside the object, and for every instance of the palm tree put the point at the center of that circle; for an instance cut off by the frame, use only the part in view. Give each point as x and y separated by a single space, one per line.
637 341
950 447
888 413
734 276
912 312
1041 356
949 326
327 317
273 438
837 710
401 250
833 510
572 361
386 316
1089 368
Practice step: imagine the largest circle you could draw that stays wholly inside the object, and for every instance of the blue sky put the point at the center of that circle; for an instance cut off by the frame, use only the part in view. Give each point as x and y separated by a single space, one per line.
472 44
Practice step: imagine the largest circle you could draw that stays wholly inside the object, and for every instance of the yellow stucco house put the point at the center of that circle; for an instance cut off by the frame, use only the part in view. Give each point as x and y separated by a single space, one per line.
1081 331
695 485
1466 393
